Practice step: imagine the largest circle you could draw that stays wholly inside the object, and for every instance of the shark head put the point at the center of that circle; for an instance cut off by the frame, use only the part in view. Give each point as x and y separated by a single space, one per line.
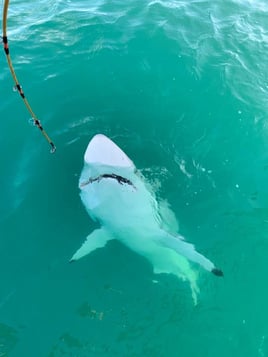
104 157
103 151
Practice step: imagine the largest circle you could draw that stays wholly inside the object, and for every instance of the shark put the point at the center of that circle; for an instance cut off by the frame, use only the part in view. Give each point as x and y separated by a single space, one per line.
116 195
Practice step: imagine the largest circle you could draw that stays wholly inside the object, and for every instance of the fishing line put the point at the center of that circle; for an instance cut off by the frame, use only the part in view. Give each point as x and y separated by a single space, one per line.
17 86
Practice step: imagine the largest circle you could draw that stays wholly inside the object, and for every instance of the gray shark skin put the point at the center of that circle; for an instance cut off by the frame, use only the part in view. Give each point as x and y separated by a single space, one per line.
116 195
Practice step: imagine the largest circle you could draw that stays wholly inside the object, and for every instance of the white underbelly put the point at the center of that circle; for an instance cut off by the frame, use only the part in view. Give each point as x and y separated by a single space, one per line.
119 205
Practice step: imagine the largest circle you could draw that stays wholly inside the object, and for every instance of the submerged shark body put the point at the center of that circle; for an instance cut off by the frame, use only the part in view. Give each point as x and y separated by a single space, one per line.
116 196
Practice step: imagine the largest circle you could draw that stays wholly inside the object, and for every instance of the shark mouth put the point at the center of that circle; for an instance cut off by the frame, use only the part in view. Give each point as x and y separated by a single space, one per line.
121 180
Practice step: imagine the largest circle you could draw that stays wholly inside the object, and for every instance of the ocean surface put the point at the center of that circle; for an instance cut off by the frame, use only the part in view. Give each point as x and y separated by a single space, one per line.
182 88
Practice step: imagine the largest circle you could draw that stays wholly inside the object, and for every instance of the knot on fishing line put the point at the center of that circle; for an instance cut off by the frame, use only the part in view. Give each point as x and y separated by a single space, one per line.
37 123
53 148
5 43
18 88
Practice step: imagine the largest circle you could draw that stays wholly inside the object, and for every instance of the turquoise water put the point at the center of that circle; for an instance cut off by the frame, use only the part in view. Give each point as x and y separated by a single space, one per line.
182 88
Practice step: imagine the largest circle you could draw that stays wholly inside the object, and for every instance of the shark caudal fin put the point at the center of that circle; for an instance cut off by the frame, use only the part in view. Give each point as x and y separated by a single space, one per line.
188 251
97 239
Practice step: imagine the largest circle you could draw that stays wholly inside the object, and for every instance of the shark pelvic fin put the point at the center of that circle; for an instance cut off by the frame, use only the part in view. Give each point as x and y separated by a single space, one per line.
188 251
97 239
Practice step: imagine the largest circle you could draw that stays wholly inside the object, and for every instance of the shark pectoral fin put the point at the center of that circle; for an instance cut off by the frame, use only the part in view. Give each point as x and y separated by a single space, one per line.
188 251
97 239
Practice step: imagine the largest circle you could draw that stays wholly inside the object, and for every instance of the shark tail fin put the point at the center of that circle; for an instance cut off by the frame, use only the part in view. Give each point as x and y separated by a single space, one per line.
187 250
97 239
